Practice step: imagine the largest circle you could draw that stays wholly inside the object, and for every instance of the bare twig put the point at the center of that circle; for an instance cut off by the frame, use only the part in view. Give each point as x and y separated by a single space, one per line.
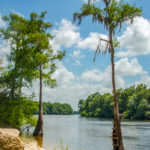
98 50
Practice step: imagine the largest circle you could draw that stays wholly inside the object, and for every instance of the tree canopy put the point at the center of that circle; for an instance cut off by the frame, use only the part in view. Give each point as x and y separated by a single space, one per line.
57 108
134 103
31 56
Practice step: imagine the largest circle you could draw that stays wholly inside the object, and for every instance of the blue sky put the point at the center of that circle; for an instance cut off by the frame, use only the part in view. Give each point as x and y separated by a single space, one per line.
77 76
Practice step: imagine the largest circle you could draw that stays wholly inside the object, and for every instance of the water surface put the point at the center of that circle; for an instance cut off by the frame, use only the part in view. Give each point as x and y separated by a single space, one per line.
93 133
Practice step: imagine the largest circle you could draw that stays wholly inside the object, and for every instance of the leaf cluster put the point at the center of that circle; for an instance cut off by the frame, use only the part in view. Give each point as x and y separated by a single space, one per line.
29 48
111 16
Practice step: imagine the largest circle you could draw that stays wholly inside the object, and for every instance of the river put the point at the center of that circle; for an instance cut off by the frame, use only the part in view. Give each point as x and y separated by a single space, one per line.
81 133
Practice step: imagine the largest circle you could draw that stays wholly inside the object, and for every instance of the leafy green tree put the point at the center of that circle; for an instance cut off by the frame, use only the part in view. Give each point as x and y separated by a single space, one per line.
141 109
31 56
147 115
67 109
112 16
43 57
20 70
107 105
14 113
134 104
57 109
81 103
1 62
47 108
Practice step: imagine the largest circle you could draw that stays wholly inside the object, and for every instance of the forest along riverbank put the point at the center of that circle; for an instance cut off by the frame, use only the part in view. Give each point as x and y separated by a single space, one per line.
9 139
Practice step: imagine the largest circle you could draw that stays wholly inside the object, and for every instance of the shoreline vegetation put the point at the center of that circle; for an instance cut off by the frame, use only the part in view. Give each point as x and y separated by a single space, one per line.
11 108
57 108
134 104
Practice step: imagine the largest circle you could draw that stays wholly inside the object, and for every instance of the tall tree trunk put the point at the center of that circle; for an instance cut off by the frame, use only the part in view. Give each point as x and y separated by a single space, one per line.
39 127
117 133
12 91
20 84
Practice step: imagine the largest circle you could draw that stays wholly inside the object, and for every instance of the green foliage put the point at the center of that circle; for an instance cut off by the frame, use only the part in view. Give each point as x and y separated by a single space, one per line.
57 108
134 103
31 57
29 49
20 71
42 53
97 105
1 62
14 113
111 16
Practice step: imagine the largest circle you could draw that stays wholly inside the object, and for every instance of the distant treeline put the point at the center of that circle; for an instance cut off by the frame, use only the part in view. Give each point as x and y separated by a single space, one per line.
15 113
21 110
57 108
134 103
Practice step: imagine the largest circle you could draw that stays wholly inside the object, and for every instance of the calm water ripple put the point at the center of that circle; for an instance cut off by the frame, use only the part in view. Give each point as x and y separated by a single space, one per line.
93 133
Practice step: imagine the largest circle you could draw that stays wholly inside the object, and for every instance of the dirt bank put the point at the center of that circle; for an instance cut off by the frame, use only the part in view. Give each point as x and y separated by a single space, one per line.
9 140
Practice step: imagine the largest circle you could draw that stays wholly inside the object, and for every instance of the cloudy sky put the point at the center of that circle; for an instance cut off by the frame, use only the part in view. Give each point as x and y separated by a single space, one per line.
77 76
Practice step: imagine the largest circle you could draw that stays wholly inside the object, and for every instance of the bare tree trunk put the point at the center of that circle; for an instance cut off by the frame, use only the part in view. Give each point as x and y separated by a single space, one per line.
12 92
39 127
117 133
20 85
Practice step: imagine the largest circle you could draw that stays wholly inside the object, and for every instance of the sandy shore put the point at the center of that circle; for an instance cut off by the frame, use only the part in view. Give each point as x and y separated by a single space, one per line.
9 139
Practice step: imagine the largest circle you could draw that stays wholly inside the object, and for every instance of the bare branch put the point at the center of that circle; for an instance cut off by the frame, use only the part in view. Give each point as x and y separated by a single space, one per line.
98 50
104 40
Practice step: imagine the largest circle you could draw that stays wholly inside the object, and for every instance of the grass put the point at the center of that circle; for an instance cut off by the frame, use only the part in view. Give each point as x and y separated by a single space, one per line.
62 146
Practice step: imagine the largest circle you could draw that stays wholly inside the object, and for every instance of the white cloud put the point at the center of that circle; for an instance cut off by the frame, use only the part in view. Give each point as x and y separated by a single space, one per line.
145 79
77 54
92 41
4 51
135 39
62 75
124 67
4 45
92 1
102 78
71 88
66 35
92 75
18 13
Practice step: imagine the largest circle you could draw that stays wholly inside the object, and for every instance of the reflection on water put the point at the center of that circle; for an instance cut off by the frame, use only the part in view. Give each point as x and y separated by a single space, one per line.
39 140
92 133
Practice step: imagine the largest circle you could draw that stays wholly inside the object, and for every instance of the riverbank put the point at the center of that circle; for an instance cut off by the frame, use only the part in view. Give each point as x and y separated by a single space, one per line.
9 139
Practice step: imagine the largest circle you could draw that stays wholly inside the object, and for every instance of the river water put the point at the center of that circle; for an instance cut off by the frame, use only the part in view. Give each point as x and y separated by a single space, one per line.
81 133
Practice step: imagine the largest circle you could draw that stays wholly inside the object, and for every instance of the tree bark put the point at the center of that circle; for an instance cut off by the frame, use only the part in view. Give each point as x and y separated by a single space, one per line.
117 133
20 84
39 127
12 89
